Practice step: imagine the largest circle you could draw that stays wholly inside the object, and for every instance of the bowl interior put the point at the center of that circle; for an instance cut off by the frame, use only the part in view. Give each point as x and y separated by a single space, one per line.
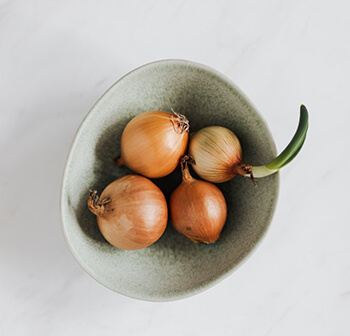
174 266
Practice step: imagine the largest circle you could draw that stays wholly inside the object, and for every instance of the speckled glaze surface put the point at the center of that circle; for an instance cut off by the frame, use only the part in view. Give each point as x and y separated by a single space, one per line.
173 267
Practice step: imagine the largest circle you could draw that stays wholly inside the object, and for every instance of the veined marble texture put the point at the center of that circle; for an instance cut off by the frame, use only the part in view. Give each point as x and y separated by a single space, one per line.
58 57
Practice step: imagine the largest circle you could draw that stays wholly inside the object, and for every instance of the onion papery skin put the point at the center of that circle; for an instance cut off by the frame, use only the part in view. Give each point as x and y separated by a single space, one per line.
198 210
131 212
217 154
153 142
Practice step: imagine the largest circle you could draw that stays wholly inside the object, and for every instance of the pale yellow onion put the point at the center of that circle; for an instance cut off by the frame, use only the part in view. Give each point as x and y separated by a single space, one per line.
198 208
131 212
153 142
217 153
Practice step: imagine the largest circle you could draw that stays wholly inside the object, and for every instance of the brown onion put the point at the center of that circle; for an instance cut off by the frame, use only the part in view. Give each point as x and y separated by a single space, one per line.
131 212
198 208
153 142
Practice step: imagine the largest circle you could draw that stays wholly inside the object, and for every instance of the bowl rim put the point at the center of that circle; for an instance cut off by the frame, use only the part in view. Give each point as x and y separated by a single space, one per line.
174 296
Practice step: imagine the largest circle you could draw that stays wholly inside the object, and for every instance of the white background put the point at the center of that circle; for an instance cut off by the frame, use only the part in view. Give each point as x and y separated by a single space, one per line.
58 57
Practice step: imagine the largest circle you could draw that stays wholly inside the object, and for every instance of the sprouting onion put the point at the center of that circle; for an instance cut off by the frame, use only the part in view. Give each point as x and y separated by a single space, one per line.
217 153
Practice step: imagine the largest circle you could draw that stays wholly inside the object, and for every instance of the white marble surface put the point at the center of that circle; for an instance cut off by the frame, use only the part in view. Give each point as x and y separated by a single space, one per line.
58 57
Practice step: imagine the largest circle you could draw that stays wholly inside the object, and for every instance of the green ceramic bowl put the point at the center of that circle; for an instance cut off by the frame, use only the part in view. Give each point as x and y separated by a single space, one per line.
173 267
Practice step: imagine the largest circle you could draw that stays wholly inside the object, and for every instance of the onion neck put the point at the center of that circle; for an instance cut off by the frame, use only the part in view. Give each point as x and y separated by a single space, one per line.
186 175
96 205
180 122
286 156
245 170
